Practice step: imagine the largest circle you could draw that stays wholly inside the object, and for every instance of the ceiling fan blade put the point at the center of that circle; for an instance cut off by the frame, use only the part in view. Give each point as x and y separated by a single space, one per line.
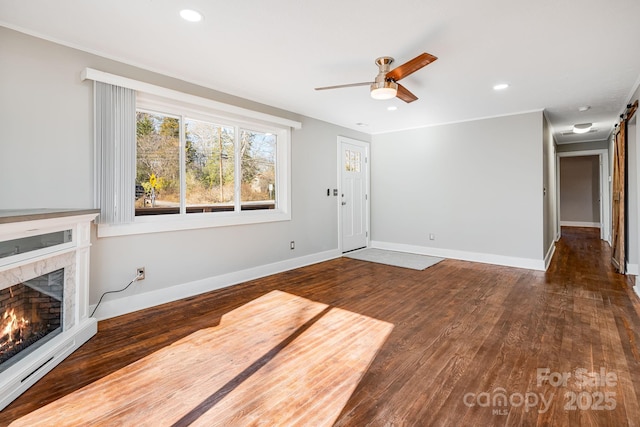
411 66
404 94
347 85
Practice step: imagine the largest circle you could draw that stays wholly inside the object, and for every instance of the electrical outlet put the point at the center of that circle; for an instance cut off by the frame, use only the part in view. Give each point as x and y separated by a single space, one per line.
140 273
292 245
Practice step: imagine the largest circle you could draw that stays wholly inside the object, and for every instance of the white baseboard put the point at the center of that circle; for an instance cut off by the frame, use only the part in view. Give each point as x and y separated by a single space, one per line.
549 256
579 224
528 263
131 303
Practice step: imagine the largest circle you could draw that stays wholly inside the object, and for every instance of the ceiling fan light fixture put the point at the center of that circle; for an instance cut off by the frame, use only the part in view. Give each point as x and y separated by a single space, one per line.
582 128
384 90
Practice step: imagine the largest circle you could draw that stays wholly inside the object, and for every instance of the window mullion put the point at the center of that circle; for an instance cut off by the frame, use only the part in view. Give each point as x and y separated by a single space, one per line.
237 171
183 167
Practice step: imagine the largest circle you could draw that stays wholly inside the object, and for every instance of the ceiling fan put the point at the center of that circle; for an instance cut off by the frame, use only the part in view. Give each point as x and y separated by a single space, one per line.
385 85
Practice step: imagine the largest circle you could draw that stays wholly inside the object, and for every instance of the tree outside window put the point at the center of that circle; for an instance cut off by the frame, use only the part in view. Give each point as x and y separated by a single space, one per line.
205 168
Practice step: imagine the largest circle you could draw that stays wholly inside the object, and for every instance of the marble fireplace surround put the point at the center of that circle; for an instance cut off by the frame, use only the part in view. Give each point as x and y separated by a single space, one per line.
73 257
45 266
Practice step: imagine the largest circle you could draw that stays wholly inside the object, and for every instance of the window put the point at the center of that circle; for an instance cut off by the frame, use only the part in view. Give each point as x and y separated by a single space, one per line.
192 163
208 153
258 169
157 163
210 166
352 162
186 165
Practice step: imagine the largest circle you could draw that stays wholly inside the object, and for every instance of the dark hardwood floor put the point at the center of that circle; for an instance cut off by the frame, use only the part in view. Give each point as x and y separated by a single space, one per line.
471 344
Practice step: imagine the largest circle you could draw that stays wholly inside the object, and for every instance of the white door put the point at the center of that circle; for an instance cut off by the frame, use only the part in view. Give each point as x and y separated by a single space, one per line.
353 194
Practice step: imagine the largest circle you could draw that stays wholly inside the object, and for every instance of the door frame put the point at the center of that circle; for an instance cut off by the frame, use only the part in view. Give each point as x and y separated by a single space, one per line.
367 173
605 191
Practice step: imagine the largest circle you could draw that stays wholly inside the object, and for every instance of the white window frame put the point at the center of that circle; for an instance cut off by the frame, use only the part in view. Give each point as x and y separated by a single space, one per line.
162 100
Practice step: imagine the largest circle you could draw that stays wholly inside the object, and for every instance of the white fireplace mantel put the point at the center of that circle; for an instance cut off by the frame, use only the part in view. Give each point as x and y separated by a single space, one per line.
20 260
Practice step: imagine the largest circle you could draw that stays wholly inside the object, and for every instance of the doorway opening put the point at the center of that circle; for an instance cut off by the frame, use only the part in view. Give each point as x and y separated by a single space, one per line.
583 191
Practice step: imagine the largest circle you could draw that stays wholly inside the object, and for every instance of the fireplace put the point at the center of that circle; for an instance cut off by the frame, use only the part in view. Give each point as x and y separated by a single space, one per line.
44 299
31 314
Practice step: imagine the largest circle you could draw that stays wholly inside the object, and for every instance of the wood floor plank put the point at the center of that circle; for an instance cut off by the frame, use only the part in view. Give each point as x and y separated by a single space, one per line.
187 370
214 375
455 328
335 353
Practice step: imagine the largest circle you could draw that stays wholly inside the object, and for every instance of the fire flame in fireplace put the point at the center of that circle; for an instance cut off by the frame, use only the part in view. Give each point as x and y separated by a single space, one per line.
12 327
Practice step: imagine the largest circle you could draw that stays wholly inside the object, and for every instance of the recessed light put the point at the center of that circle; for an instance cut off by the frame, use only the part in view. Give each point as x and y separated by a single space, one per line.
584 108
392 108
191 15
362 124
501 86
582 128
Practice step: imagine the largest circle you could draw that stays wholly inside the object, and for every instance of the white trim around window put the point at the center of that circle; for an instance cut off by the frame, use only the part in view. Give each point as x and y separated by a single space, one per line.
155 96
164 223
223 110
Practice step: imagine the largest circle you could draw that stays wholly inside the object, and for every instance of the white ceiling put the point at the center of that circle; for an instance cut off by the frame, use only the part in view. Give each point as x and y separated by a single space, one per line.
557 55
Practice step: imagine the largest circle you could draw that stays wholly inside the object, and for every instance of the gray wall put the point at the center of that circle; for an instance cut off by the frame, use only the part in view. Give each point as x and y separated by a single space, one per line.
634 229
46 160
634 190
476 185
580 189
550 198
583 146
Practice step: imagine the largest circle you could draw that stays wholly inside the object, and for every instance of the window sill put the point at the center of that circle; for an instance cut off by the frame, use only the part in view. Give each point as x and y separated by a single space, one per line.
167 223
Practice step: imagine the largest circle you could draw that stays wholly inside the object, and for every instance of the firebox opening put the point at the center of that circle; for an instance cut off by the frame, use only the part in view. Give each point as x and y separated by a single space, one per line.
30 315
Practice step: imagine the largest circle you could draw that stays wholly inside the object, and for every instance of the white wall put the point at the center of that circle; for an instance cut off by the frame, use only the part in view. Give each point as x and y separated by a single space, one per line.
477 186
46 160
